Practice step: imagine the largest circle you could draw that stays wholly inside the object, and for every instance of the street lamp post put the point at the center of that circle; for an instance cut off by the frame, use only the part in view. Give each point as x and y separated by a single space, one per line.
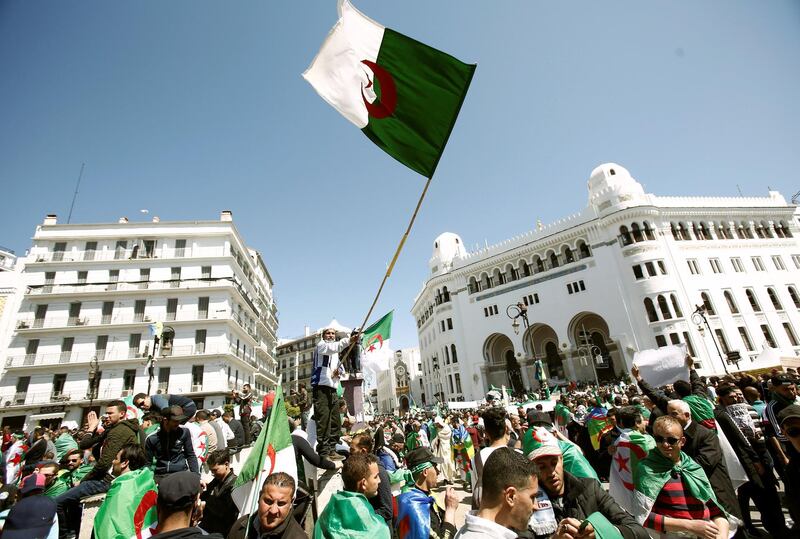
515 312
588 350
699 317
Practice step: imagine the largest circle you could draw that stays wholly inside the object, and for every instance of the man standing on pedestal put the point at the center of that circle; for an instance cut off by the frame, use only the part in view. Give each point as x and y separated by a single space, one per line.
324 377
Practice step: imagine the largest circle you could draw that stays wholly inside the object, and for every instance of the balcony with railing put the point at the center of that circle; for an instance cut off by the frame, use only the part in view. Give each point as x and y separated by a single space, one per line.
167 253
123 353
136 286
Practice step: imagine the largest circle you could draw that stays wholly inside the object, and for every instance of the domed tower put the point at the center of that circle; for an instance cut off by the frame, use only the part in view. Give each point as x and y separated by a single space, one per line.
446 248
611 187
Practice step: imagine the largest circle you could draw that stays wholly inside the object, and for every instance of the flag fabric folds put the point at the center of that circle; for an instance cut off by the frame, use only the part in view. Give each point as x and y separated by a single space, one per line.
631 448
404 95
349 515
414 515
272 452
129 510
597 424
375 342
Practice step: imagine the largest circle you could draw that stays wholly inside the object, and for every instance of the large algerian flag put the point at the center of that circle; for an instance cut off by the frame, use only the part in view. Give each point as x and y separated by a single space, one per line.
375 341
129 510
404 95
272 452
631 448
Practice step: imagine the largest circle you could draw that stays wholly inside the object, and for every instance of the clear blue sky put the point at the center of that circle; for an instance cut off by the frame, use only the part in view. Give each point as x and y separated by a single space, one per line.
190 107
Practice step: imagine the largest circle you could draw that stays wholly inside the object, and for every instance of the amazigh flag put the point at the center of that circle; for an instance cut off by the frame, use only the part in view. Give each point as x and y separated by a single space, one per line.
404 95
631 448
375 342
129 510
272 452
598 424
702 411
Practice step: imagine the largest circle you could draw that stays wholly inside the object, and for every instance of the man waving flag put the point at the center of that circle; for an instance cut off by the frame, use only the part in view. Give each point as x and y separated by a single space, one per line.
404 95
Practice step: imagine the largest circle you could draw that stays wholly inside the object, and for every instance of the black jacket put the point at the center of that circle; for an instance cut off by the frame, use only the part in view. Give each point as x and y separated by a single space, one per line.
703 446
382 501
584 496
289 529
187 533
238 433
173 451
220 512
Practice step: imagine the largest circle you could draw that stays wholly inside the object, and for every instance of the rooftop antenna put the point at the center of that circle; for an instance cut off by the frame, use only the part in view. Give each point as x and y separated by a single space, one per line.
74 196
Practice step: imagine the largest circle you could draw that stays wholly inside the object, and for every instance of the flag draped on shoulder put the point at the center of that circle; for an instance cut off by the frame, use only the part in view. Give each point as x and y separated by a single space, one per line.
349 515
631 448
375 342
272 452
404 95
652 473
129 510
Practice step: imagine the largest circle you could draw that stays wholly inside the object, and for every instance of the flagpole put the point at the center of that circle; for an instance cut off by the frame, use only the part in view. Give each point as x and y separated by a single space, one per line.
392 263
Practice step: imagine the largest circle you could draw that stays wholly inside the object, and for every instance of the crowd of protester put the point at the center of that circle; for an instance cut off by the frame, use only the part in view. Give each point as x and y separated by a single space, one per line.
623 459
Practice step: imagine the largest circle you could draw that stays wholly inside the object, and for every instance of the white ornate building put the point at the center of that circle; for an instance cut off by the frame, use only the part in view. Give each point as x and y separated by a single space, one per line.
93 291
625 274
400 385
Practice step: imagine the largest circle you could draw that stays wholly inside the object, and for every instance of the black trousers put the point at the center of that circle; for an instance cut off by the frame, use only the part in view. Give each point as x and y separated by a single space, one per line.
326 415
769 505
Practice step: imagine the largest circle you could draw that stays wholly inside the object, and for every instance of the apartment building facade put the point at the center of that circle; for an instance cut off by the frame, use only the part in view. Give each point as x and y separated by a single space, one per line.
96 296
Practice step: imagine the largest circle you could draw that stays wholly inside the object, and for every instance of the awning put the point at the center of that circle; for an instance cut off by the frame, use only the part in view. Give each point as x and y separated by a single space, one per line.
37 417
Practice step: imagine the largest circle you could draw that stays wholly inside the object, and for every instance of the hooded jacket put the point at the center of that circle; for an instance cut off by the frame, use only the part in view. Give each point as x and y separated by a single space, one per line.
110 442
173 451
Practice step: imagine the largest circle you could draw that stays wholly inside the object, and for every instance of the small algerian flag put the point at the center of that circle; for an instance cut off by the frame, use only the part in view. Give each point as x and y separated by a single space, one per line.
272 452
375 342
631 447
404 95
129 509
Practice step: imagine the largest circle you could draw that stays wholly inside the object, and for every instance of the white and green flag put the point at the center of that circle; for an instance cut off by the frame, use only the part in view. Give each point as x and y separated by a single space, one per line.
631 448
272 452
375 343
404 95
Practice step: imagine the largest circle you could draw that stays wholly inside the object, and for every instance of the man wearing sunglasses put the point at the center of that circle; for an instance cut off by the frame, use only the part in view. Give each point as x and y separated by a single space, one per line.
673 492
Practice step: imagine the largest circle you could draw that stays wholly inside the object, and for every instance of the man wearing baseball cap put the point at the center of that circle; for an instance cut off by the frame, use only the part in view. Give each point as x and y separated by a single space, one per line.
414 505
179 508
32 517
574 506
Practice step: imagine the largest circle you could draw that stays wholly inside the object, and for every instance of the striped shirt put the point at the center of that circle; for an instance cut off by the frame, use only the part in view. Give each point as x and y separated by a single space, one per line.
675 502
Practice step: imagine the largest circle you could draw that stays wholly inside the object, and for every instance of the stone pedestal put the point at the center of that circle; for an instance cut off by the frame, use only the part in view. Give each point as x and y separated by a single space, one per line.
354 396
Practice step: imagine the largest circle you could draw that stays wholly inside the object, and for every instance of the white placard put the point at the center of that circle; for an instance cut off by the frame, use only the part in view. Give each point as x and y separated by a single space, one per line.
663 365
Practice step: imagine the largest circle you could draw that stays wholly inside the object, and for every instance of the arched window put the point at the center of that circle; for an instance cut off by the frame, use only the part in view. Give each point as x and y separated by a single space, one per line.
745 232
511 273
676 306
453 354
778 230
525 268
553 260
445 294
766 228
648 232
707 303
794 296
473 285
568 256
583 249
760 230
498 277
705 234
773 297
731 304
636 232
751 297
486 281
785 229
684 231
652 316
625 235
664 308
676 232
538 263
555 365
438 299
723 232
